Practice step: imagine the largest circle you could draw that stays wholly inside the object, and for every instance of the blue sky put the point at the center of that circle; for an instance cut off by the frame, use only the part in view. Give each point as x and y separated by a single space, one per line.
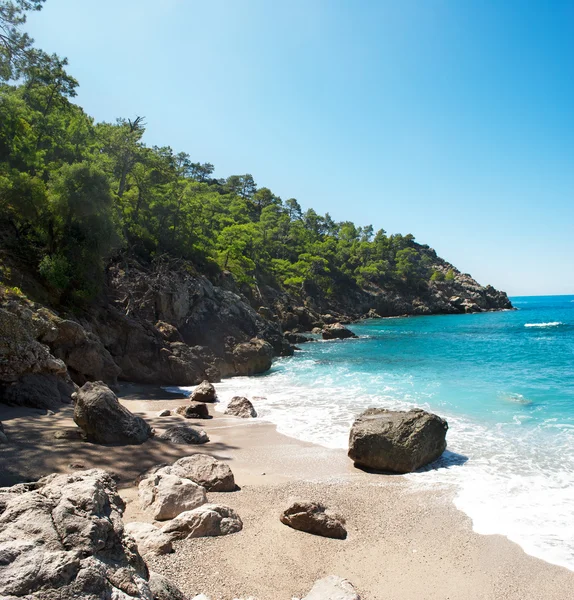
451 120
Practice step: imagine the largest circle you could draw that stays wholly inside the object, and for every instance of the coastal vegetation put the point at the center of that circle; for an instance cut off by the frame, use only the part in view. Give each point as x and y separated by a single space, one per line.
75 193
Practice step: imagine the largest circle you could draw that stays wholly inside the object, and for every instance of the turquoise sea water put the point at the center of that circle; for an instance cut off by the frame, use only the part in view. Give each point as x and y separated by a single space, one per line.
504 381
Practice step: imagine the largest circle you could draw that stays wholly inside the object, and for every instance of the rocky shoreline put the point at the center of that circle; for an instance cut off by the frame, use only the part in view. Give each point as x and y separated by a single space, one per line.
384 536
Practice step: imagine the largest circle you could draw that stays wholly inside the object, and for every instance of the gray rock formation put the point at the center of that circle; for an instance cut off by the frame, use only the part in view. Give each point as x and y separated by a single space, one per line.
164 496
104 420
193 410
182 434
204 392
212 474
164 589
3 438
150 539
337 332
312 517
62 538
205 521
332 588
397 441
252 357
29 374
241 407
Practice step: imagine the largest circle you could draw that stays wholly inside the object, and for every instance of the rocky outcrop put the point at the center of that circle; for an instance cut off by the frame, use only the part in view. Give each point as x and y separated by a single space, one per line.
240 407
150 540
396 441
212 474
164 496
3 438
296 338
182 434
312 517
204 392
337 332
29 374
63 538
193 410
332 588
252 357
98 413
208 520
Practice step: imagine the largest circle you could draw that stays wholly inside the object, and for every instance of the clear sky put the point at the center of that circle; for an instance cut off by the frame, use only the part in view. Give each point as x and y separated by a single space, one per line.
451 120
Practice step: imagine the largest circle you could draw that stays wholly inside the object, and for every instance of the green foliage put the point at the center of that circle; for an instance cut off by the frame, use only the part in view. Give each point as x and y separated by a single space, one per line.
437 276
449 275
74 192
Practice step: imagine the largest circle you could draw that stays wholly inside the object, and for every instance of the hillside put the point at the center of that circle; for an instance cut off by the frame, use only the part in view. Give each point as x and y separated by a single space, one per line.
120 260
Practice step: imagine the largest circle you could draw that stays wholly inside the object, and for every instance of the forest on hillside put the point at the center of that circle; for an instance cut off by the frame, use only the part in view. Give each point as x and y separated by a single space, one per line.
75 193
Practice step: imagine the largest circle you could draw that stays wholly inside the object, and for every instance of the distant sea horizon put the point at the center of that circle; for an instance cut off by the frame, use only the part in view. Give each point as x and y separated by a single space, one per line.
505 382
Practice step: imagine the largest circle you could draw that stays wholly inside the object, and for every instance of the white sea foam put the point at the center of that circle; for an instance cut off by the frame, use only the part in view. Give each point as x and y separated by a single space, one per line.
550 324
511 480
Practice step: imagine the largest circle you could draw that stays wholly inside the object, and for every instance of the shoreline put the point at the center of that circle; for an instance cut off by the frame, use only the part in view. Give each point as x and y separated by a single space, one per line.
403 542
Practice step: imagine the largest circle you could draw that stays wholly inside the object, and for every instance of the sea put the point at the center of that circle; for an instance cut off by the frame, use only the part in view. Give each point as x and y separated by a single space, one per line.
503 380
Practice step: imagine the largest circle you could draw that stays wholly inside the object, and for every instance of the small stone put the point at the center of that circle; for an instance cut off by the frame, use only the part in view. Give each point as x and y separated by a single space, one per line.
207 520
193 410
240 407
182 434
312 517
204 392
164 413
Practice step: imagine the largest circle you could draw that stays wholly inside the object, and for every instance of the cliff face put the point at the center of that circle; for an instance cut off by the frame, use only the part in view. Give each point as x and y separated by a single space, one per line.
167 324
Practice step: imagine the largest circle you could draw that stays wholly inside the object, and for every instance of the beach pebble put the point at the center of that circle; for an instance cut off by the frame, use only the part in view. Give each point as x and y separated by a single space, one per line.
164 413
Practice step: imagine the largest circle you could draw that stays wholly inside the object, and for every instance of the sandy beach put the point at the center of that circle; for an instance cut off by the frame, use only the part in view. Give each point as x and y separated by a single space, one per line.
404 543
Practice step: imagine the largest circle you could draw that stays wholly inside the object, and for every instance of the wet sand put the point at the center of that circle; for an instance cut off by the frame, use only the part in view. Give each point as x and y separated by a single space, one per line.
403 543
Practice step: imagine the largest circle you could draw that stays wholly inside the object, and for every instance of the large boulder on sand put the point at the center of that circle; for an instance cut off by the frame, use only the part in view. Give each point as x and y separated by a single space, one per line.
212 474
332 588
207 520
337 332
240 407
104 420
193 410
164 496
204 392
62 537
397 441
252 357
149 539
182 434
312 517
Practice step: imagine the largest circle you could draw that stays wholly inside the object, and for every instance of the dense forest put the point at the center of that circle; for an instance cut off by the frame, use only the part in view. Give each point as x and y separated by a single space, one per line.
75 193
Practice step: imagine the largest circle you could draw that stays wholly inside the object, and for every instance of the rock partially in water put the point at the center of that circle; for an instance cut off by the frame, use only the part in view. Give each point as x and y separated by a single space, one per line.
204 392
240 407
104 420
208 520
337 332
63 538
164 496
252 357
183 434
312 517
396 441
